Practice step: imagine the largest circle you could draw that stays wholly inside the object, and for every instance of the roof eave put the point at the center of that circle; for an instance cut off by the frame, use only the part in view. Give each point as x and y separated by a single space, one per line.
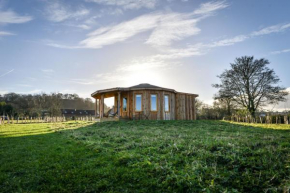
117 89
129 89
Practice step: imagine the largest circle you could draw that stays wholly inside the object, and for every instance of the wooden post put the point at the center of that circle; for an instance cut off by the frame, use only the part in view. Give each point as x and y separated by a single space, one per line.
194 109
119 100
102 106
96 108
286 120
128 105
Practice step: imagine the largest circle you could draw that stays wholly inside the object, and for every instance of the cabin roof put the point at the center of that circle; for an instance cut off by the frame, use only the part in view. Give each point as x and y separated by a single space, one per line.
143 86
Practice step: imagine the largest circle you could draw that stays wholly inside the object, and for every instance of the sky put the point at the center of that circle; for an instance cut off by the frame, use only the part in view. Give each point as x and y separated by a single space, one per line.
80 46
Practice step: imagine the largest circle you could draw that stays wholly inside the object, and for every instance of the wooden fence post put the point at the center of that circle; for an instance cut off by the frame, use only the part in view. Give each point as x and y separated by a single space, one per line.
286 119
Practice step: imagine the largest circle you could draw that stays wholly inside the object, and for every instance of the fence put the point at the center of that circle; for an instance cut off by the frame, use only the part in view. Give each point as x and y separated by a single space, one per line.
25 120
269 119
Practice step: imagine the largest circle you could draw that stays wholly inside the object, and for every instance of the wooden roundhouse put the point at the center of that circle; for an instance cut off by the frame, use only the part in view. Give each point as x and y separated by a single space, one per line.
145 101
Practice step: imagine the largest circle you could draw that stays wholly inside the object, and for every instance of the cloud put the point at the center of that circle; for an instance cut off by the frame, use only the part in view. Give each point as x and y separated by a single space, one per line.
83 26
121 32
177 53
141 64
128 70
24 85
31 78
271 29
4 33
229 41
128 4
35 91
68 91
203 48
173 27
240 38
58 12
1 75
167 27
63 46
153 63
139 68
110 77
82 81
12 17
116 11
47 70
101 13
2 92
281 51
210 7
170 54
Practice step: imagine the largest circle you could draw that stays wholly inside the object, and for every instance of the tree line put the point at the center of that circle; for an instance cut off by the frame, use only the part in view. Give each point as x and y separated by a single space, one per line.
13 104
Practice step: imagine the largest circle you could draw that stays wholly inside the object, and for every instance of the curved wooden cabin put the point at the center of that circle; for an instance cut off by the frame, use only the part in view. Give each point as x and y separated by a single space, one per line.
145 101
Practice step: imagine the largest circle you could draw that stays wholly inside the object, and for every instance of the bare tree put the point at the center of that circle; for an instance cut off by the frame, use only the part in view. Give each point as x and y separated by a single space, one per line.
198 104
227 104
251 84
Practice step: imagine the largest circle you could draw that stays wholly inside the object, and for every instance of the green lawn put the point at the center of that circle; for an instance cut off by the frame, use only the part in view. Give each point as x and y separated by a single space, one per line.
145 156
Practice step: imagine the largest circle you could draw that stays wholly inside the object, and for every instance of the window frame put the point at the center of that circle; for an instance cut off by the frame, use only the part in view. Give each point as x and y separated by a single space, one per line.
168 103
136 100
123 104
156 102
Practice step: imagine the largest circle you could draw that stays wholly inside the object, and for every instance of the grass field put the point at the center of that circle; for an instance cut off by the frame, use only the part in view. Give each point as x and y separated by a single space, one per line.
145 156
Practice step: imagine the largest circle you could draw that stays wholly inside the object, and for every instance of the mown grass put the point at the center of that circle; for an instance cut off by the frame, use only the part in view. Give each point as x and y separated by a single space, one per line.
144 156
264 126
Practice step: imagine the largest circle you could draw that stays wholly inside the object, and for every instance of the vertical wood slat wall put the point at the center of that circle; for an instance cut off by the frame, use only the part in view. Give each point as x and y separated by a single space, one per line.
181 106
185 107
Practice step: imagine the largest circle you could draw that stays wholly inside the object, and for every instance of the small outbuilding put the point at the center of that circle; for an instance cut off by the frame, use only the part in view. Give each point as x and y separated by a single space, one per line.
145 101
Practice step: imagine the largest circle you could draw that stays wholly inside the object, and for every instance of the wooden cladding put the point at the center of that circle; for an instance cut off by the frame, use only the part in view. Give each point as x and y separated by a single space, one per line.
166 105
185 107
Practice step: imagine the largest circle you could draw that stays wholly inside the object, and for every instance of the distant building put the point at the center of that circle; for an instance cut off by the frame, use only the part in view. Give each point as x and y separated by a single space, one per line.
77 113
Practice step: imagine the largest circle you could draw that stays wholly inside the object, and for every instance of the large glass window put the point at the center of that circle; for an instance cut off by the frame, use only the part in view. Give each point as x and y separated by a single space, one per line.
153 102
166 103
138 102
124 104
